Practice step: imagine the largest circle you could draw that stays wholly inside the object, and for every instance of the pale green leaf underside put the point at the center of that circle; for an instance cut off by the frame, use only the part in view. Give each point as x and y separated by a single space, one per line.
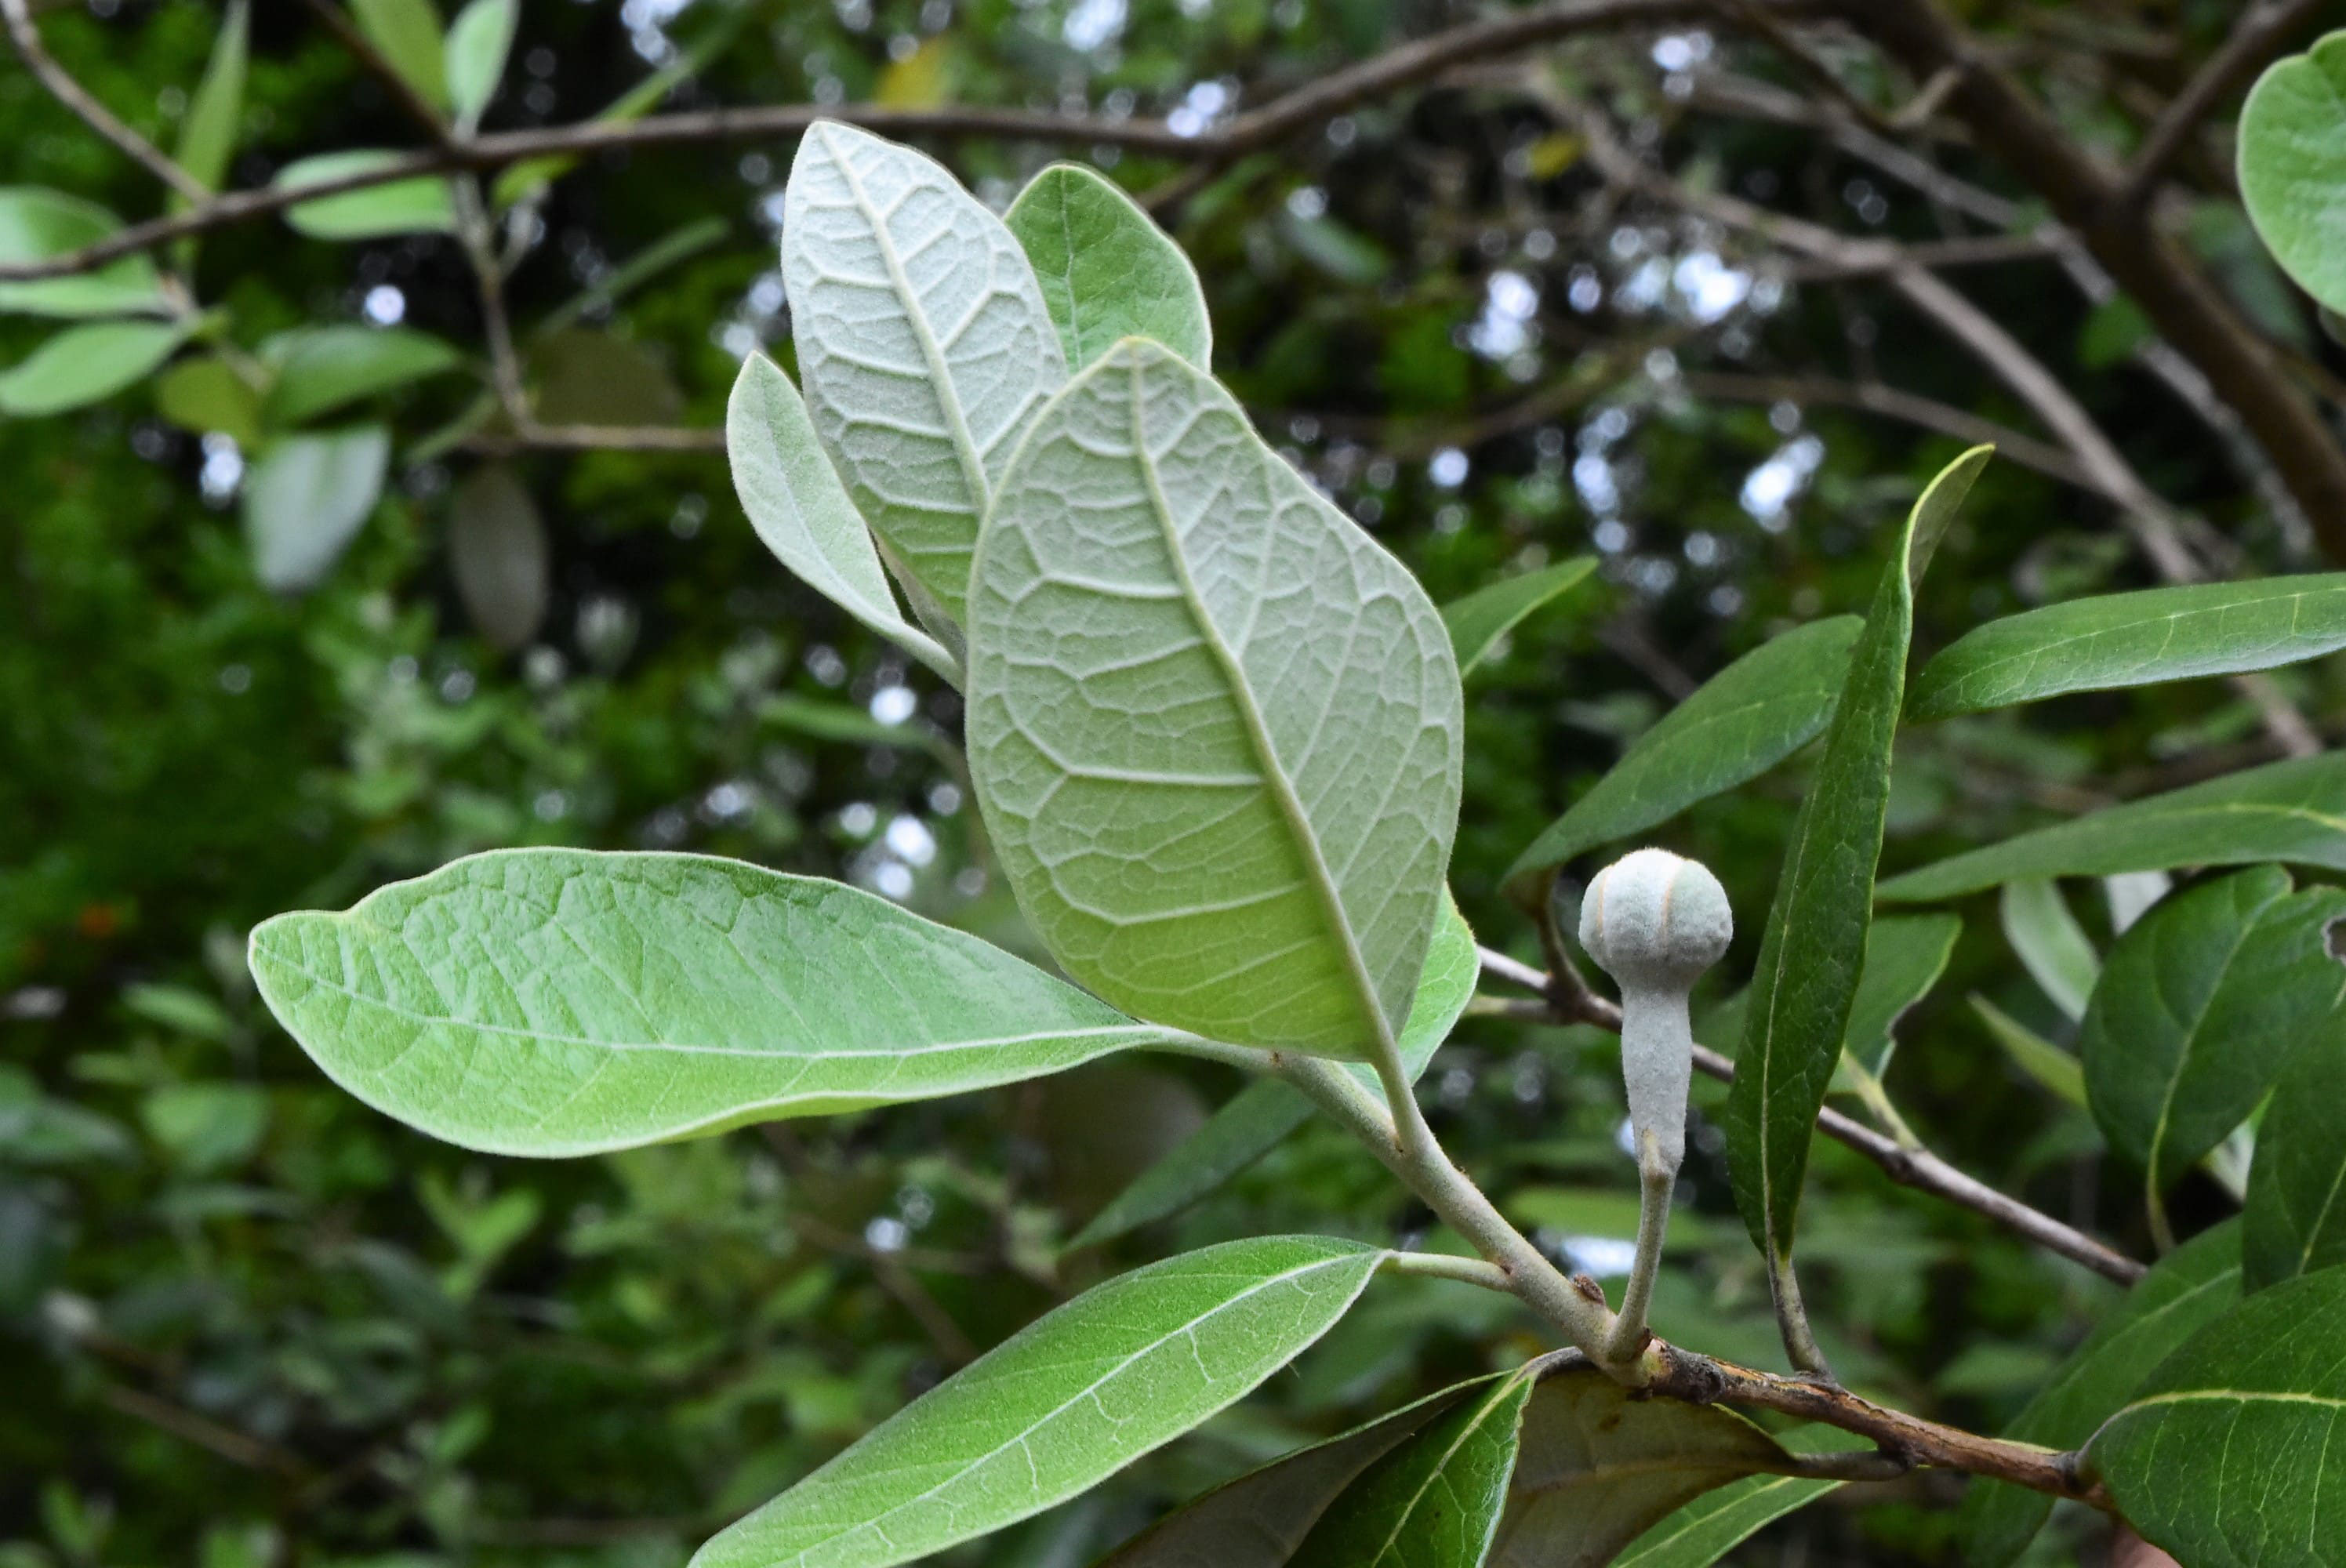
2202 1001
1106 271
2295 1217
1813 949
1435 1498
795 501
1059 1407
1260 1519
2293 811
2134 639
37 225
923 345
207 134
2050 944
2231 1452
562 1002
1215 728
1904 956
1738 724
306 499
2187 1289
1262 1115
1597 1467
401 207
478 41
2292 154
84 364
1479 620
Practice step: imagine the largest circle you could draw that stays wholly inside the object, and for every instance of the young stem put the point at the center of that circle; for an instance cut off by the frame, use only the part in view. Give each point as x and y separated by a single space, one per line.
1793 1319
1658 1180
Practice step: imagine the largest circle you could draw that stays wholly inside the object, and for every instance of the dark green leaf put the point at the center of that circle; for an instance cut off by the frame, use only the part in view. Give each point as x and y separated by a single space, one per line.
422 206
1434 1499
1108 272
85 365
205 394
2293 153
1059 1407
1814 946
1741 722
306 500
1599 1467
2134 639
1479 620
2200 1005
38 224
641 998
2226 1455
321 369
2292 810
2295 1220
1262 1115
2052 947
2184 1290
2053 1069
1260 1519
1904 956
496 546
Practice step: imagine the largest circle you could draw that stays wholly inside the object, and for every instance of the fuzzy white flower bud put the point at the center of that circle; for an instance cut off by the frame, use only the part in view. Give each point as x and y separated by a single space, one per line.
1655 921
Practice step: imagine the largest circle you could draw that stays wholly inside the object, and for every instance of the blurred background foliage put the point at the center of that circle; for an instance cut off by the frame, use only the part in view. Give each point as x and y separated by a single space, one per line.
247 1323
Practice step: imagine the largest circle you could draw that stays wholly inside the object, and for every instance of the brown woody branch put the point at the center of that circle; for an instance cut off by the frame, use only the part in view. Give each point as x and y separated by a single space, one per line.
1917 1168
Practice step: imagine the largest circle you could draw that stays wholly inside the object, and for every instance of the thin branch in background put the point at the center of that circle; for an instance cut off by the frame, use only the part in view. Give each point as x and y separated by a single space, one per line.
85 107
1917 1168
531 436
1907 408
2267 29
226 1442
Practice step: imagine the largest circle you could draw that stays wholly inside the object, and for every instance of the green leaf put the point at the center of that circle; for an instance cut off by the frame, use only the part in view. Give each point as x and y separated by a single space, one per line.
207 1127
1479 620
1106 271
2142 638
1433 1499
321 369
1224 788
1258 1520
1904 956
478 41
2051 946
2053 1069
2295 1218
498 552
798 506
1262 1115
2293 153
2293 811
1059 1407
407 31
85 365
207 136
205 394
560 1002
1737 725
1599 1466
307 498
1716 1524
2187 1289
40 225
924 347
2226 1453
421 206
1806 982
2200 1004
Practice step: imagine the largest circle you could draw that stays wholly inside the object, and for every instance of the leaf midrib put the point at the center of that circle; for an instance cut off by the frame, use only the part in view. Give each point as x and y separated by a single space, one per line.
1283 789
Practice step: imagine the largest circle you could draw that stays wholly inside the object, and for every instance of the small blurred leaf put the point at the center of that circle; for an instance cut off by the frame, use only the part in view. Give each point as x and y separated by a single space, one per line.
2115 330
207 136
320 369
420 206
1904 956
205 394
586 377
206 1126
1479 620
2051 946
82 365
306 499
1342 253
498 547
39 225
920 80
407 31
178 1008
478 43
2052 1068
